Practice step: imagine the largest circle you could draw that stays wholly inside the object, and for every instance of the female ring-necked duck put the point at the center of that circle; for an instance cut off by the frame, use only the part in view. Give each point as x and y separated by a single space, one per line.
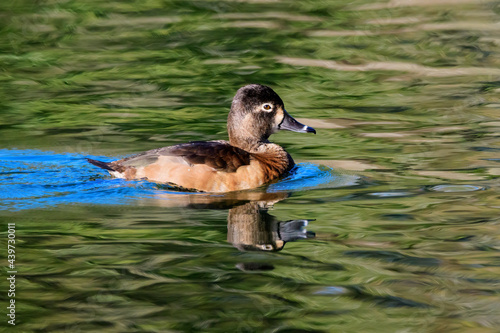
247 161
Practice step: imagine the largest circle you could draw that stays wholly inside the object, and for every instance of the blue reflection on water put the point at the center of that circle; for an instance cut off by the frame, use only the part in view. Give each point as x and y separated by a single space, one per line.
309 176
34 179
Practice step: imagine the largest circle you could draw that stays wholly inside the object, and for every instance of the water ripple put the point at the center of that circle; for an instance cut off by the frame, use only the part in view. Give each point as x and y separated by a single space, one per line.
456 188
309 176
34 179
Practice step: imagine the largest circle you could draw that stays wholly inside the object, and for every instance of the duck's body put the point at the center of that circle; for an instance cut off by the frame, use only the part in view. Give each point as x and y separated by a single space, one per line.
208 166
246 161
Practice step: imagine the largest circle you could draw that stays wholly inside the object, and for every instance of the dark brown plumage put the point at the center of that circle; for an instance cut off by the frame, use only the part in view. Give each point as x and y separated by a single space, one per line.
219 155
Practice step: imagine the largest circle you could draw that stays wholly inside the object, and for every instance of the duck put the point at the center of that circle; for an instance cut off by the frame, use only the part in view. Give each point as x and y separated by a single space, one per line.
247 161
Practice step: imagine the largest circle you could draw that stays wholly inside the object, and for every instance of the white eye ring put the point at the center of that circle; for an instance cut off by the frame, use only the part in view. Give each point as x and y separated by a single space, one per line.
267 107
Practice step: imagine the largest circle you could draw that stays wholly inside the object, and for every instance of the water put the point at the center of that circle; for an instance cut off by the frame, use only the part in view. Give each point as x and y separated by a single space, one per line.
389 222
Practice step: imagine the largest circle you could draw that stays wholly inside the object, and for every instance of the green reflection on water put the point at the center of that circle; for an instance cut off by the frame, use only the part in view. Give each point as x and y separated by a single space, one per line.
406 95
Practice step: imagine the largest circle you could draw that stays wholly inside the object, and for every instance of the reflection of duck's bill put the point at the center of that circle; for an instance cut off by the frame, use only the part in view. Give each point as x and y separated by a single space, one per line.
289 123
290 231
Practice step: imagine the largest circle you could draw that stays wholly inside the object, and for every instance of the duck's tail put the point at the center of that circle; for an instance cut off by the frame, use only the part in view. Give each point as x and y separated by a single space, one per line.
100 164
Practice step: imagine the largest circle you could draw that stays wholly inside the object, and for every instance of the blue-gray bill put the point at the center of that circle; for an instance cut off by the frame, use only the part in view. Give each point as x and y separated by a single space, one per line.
289 123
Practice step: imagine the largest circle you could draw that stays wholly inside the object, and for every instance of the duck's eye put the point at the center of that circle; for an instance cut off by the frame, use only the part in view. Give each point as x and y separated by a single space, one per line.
267 107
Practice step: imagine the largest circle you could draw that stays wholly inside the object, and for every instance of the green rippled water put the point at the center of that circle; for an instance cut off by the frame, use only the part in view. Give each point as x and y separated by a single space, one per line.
404 96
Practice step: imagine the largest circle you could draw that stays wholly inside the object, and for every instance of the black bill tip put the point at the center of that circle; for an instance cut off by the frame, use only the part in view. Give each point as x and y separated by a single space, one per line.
310 130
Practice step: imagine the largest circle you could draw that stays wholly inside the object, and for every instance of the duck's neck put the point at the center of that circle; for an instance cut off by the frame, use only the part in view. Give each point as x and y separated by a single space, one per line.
251 145
272 156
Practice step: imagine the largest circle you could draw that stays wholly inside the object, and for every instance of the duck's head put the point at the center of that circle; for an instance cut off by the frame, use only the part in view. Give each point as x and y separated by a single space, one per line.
256 113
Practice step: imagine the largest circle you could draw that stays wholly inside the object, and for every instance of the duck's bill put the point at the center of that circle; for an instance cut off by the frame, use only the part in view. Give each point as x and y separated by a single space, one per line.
290 124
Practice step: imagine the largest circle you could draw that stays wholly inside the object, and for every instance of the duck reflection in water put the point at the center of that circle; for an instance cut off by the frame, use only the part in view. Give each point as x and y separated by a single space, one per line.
250 227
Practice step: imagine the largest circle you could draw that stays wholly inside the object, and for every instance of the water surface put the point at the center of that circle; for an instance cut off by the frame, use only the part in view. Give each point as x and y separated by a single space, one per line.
389 223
